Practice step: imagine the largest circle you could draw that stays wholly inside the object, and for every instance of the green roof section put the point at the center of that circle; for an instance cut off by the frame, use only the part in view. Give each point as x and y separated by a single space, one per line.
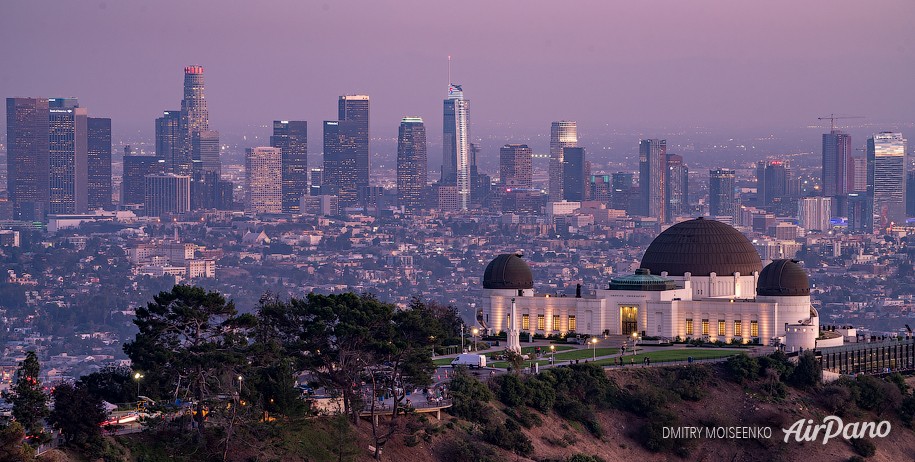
642 280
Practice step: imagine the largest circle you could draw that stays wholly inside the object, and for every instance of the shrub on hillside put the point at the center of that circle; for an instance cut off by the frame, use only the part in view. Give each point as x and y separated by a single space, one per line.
808 373
691 382
469 397
742 368
511 390
463 450
863 446
508 436
875 394
541 394
907 411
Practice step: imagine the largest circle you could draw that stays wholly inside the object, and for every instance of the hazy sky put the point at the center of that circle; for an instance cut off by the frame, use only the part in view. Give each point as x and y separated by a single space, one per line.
633 65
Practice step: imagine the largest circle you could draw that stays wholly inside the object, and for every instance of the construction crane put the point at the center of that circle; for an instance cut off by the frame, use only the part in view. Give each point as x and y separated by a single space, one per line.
832 120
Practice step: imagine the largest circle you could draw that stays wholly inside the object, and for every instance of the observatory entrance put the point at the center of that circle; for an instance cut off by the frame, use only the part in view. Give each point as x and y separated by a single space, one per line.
629 319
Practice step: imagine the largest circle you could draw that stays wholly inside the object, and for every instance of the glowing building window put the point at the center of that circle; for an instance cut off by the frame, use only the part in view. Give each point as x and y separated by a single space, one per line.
721 327
689 326
555 325
705 327
525 321
572 324
754 329
541 322
738 329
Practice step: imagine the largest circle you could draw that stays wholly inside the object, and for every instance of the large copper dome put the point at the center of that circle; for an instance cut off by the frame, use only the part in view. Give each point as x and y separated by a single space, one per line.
508 271
701 247
783 278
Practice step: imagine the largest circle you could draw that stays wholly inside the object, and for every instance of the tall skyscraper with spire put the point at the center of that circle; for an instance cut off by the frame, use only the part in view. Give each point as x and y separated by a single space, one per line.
194 117
291 136
411 163
563 134
456 145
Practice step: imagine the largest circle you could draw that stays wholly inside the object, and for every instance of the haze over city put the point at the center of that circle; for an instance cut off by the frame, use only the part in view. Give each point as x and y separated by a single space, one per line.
640 67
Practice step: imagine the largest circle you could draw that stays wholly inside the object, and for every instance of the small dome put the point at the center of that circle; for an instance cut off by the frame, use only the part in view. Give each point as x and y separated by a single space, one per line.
508 271
783 278
642 280
701 247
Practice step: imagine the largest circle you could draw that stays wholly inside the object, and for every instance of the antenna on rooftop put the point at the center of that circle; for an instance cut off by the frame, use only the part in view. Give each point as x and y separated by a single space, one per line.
449 69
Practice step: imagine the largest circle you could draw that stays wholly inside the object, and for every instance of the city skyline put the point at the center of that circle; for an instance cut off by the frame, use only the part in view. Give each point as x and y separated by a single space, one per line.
790 75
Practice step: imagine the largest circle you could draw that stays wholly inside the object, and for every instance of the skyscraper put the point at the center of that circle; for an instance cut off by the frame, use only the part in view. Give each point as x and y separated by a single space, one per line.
68 157
263 180
677 186
886 172
814 213
27 157
563 134
860 174
722 193
838 176
99 160
205 150
133 183
167 193
194 117
412 167
168 138
340 150
621 185
772 179
291 136
456 145
574 174
515 166
653 178
355 109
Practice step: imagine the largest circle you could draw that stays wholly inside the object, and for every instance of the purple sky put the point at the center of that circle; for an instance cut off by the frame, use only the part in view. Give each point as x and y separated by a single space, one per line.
633 65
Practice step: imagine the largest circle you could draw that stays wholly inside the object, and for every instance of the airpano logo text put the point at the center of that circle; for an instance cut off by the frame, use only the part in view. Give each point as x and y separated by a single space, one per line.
834 427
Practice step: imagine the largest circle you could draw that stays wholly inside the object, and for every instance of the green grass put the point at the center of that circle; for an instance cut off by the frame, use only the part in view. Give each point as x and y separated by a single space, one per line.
586 353
680 354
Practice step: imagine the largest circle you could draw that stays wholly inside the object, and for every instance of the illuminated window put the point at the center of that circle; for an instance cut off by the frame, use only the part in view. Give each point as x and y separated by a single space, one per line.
754 329
572 324
555 325
689 326
705 327
738 329
721 327
525 321
541 322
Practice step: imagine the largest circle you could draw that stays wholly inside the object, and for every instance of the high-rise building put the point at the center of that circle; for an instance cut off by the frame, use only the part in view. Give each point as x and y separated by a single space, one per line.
167 193
133 183
600 188
722 193
563 134
860 214
653 178
677 187
886 174
860 171
910 194
355 109
772 178
814 213
315 180
263 180
838 178
291 136
621 185
456 145
515 166
411 163
340 151
168 138
27 160
574 174
68 157
205 152
99 160
194 117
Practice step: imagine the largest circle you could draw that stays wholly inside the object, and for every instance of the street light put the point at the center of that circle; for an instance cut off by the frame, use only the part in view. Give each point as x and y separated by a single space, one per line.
137 376
594 347
552 354
635 341
475 332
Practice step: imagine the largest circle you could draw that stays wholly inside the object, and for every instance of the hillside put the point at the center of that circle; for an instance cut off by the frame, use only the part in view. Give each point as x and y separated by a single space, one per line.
585 411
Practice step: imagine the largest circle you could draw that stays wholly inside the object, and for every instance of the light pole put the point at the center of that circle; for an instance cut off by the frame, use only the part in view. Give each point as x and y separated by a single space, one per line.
462 338
137 376
475 332
635 341
552 354
594 348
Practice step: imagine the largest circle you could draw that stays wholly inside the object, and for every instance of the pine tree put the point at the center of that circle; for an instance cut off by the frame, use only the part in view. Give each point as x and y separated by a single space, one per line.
30 403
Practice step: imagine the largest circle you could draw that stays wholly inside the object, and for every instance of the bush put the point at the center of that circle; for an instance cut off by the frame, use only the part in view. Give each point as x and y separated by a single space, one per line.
808 372
875 394
462 450
742 368
512 391
469 397
540 394
863 446
509 436
524 416
907 410
691 382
